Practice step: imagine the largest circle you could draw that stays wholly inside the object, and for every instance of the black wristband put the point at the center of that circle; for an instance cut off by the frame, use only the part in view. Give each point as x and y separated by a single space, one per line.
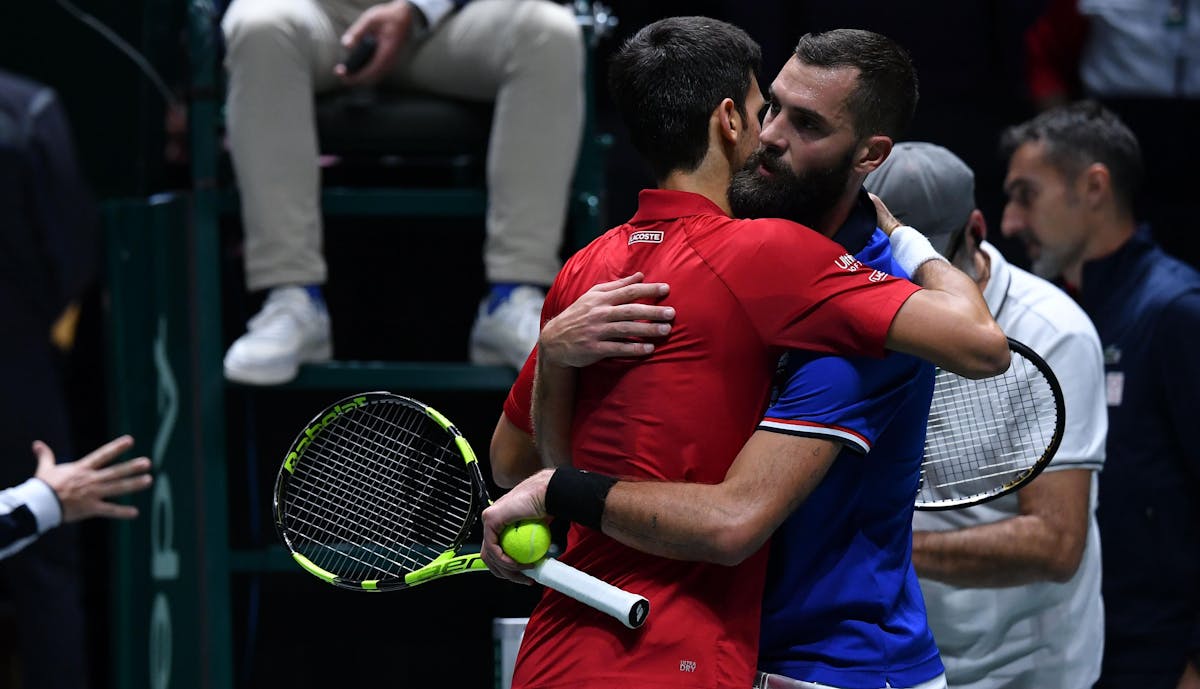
578 496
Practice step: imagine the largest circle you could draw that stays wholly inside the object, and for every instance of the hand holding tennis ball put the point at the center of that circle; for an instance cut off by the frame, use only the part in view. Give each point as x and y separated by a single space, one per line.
525 541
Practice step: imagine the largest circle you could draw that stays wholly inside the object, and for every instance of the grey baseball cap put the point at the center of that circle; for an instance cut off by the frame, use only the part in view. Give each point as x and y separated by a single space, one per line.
928 187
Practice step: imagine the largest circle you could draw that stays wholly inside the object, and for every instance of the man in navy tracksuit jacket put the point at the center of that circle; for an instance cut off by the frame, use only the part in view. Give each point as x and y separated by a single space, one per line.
1071 180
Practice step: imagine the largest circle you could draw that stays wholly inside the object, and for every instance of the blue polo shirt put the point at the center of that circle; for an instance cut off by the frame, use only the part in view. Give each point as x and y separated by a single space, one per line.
1146 307
843 606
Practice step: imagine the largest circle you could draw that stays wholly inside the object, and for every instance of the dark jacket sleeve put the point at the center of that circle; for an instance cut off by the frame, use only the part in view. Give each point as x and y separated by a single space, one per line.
62 209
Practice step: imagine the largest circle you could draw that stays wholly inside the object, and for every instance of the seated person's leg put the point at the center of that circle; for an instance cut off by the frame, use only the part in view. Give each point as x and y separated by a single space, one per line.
527 56
279 52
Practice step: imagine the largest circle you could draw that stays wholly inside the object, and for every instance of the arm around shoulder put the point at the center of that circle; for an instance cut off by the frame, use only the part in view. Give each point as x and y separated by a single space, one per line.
727 522
948 323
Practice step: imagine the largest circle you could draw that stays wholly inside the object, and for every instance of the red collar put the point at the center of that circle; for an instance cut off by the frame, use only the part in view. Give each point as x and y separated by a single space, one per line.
661 204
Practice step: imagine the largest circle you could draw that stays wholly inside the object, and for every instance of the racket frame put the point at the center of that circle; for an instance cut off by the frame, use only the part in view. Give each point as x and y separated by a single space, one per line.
630 609
1029 474
447 563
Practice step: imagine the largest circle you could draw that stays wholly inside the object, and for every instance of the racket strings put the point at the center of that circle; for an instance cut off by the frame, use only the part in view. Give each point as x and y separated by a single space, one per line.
392 532
358 484
984 435
395 439
364 478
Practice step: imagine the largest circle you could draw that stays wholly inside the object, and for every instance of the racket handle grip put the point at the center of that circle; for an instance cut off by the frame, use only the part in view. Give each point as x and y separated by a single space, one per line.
630 609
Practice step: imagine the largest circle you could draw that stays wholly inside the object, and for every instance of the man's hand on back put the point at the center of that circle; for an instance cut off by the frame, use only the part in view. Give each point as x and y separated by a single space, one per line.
602 323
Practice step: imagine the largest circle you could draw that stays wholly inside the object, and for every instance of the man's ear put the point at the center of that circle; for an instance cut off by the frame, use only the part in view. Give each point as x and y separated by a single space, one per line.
729 121
977 226
872 153
1096 185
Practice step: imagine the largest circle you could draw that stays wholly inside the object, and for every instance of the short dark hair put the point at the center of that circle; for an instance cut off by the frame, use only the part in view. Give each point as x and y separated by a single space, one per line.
670 76
1079 134
885 98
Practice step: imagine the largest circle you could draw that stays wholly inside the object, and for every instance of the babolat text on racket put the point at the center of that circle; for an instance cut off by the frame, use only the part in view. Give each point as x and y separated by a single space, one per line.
988 437
379 492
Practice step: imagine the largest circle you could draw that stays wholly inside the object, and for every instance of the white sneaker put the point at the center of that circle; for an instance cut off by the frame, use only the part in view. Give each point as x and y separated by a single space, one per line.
505 336
289 330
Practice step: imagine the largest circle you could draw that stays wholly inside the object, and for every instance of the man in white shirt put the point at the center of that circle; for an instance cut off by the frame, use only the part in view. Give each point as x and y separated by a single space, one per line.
1012 587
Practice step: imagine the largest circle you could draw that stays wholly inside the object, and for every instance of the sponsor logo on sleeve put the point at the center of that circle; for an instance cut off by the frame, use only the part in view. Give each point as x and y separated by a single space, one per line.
878 276
847 263
646 237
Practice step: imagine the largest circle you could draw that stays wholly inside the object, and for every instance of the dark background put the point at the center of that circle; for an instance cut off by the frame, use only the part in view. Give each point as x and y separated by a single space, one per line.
414 293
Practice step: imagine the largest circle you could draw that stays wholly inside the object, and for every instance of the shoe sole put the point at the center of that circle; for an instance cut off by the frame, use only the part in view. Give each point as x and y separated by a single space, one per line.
266 375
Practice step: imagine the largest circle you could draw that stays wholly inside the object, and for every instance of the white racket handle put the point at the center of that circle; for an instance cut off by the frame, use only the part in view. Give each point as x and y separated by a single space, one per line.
629 608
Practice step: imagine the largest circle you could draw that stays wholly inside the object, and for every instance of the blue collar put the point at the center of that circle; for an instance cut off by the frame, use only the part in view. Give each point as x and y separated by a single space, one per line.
854 234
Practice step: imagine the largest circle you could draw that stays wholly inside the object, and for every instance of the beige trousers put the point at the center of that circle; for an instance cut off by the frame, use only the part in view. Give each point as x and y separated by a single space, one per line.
525 55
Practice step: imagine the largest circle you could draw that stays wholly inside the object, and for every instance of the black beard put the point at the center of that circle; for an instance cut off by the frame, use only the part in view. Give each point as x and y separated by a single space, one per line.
804 198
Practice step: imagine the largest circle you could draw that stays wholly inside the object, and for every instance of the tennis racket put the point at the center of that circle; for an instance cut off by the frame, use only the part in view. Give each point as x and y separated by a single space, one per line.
379 492
987 438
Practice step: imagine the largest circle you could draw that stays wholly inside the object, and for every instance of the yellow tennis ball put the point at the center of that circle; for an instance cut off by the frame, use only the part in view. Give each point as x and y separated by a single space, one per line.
525 541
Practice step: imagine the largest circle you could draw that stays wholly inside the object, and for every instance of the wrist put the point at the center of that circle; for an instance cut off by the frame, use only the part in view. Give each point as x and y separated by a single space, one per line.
578 496
551 355
911 249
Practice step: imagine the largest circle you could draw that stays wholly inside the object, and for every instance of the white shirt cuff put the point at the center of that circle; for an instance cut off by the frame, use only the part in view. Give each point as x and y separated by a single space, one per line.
41 500
433 10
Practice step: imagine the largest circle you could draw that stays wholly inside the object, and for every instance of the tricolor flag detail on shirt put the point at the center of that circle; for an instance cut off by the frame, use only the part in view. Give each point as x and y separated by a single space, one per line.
816 430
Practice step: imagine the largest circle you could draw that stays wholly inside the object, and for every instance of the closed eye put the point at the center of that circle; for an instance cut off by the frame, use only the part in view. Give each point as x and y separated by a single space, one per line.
771 107
804 121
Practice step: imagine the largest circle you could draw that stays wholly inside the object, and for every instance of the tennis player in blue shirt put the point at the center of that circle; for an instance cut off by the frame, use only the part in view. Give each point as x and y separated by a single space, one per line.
843 607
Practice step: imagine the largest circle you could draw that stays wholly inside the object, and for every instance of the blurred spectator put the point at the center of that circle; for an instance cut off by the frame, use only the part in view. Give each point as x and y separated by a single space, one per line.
1140 59
1012 587
1114 49
1071 180
69 492
525 55
48 255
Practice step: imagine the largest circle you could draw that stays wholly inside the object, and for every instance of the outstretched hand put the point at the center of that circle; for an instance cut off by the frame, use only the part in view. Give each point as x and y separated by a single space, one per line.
604 320
526 501
83 485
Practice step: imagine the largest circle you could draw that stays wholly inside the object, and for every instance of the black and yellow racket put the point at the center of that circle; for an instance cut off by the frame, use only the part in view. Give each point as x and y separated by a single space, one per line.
379 492
988 437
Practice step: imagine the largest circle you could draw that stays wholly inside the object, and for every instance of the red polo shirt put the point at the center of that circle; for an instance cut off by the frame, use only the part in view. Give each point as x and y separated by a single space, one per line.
743 291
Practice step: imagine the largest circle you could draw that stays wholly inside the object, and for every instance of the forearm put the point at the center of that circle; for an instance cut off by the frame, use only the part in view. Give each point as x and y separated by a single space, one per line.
727 522
681 521
1011 552
949 324
513 456
552 412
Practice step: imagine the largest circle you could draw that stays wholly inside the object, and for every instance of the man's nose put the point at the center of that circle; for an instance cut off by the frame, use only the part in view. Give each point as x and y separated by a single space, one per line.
1012 222
772 137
